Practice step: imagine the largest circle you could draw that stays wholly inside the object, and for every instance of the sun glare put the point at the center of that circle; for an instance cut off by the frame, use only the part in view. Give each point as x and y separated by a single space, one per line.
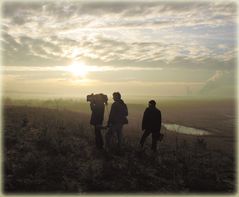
78 69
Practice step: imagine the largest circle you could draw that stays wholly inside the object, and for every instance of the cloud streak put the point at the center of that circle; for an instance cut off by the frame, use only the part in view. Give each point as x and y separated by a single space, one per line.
102 51
141 31
121 14
89 68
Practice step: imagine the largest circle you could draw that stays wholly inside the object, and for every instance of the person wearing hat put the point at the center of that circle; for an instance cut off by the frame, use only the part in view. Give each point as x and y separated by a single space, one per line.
151 124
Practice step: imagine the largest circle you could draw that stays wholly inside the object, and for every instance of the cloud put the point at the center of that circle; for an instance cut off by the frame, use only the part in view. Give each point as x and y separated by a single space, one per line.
117 34
25 51
102 51
222 83
120 14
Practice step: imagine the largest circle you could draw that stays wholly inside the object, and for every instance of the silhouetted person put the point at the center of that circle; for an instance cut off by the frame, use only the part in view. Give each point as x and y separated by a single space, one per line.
97 104
151 124
117 118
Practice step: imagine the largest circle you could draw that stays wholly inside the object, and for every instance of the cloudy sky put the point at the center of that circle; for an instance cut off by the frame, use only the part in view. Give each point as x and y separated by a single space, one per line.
72 48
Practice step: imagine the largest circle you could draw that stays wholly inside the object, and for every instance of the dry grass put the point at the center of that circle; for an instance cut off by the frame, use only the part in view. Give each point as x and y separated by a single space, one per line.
52 151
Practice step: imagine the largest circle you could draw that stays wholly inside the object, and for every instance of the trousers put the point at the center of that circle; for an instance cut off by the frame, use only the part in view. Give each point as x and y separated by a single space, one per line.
98 138
115 129
154 138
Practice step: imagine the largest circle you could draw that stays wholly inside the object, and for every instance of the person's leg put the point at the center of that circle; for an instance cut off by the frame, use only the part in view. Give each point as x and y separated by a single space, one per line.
98 137
144 136
108 137
118 129
154 141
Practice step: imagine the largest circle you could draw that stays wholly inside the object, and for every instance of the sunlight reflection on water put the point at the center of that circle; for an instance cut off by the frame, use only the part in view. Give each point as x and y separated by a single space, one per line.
185 130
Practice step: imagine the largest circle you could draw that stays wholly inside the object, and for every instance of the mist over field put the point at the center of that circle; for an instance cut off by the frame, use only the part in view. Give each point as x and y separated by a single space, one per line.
197 112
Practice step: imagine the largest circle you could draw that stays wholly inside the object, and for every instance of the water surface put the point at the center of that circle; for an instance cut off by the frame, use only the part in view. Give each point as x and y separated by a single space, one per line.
186 130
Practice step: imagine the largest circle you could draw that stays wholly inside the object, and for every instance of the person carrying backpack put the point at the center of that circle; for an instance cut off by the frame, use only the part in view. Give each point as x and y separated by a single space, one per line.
97 105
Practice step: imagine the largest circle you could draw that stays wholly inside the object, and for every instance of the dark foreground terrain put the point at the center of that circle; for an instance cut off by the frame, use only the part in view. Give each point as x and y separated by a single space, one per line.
52 151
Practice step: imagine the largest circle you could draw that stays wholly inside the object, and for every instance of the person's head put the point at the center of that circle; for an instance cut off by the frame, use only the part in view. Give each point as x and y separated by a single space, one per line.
152 103
116 96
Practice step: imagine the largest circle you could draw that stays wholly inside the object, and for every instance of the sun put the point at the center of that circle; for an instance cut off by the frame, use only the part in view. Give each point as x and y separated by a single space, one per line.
78 69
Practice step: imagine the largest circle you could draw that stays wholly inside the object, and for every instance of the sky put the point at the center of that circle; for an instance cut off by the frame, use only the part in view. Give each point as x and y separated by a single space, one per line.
154 48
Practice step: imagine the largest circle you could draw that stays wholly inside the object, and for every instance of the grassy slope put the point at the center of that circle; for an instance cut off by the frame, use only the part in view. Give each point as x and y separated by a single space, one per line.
48 150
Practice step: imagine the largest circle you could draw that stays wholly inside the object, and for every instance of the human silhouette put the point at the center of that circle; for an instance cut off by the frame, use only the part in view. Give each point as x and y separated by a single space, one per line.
151 124
97 105
117 118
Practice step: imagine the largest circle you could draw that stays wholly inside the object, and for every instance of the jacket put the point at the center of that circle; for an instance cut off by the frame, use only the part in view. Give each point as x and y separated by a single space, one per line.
152 119
118 113
97 115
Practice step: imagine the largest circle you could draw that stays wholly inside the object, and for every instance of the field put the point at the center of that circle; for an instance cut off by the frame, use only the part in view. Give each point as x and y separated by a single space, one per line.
49 148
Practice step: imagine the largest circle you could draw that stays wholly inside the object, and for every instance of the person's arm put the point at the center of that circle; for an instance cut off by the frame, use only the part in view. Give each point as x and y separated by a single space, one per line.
110 120
144 120
92 106
160 120
126 110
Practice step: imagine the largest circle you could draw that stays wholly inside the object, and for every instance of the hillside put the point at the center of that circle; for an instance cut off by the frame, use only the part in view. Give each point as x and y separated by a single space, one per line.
52 151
